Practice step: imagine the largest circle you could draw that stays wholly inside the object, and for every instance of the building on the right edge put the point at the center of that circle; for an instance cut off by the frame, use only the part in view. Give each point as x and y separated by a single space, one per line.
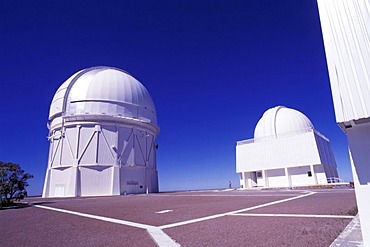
346 32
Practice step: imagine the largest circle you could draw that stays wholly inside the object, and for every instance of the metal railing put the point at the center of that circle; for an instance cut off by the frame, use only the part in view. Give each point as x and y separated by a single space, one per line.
333 180
283 135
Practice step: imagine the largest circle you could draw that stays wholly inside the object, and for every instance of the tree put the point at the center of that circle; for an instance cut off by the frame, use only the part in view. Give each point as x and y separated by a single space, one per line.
13 183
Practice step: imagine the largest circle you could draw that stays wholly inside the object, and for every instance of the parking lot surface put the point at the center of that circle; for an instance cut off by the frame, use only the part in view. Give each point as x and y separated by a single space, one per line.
199 218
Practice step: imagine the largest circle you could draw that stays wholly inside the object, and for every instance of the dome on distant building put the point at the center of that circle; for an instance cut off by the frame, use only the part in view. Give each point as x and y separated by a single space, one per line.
103 91
281 120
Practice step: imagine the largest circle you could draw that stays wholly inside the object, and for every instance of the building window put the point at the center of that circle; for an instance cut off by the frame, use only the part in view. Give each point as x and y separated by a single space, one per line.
259 174
309 173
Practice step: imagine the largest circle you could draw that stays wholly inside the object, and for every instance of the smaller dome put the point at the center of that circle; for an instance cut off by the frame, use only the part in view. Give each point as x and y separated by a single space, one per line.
280 120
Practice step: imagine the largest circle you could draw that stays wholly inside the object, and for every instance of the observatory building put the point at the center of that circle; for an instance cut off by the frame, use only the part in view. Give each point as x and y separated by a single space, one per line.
345 28
102 133
286 151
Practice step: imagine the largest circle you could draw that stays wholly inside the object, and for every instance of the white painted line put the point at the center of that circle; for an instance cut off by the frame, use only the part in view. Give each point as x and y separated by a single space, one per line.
97 217
234 212
161 238
241 195
336 191
164 211
298 215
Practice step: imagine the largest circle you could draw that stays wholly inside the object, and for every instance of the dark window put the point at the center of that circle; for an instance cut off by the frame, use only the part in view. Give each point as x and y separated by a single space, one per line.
259 174
309 173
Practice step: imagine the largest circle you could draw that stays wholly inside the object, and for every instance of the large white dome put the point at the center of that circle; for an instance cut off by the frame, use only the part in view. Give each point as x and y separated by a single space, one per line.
281 120
103 91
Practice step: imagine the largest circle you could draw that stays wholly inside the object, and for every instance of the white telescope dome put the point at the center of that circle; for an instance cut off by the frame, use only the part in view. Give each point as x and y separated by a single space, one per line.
281 120
103 91
103 136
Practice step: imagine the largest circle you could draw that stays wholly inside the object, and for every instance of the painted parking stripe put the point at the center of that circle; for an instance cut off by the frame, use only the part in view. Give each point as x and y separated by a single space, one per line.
234 212
241 195
97 217
297 215
164 211
161 238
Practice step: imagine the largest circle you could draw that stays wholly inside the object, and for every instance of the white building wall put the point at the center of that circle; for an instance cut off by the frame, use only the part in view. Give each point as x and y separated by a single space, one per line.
277 178
325 151
95 180
278 153
100 158
287 160
321 175
359 143
61 182
299 176
261 181
345 27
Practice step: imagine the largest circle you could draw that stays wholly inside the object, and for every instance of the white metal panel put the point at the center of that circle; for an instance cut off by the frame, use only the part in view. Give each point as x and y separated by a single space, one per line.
96 180
261 182
290 120
346 32
55 158
97 90
126 146
140 148
65 177
59 190
280 120
107 140
88 146
68 147
325 151
277 178
321 174
290 151
132 178
359 143
72 134
56 107
299 176
150 151
152 184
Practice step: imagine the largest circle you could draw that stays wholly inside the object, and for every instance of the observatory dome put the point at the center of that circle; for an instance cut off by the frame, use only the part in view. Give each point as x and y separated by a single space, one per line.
281 120
103 91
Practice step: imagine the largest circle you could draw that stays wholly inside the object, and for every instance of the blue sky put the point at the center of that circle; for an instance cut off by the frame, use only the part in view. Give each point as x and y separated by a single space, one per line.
211 67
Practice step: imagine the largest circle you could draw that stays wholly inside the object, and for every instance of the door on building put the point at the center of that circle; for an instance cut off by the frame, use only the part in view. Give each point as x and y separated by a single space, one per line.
132 187
59 190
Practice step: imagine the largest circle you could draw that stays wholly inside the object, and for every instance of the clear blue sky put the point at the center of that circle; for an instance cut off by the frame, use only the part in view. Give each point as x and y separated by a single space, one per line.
212 68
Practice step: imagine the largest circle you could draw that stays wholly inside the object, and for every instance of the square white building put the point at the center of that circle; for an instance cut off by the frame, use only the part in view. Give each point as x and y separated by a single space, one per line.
286 152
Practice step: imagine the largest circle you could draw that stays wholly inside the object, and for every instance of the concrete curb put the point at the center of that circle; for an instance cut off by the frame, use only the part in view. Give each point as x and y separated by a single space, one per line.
351 235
